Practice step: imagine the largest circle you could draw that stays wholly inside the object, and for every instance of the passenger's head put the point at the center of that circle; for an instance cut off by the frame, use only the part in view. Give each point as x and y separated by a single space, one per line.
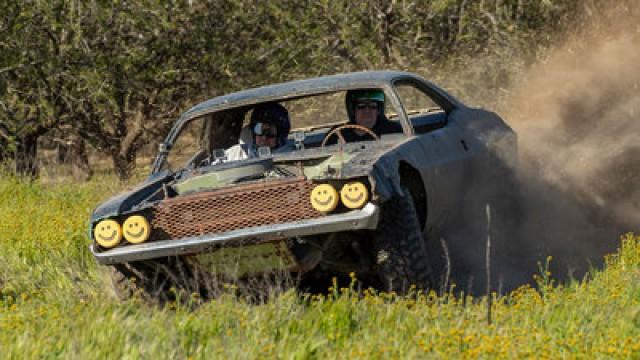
364 107
270 125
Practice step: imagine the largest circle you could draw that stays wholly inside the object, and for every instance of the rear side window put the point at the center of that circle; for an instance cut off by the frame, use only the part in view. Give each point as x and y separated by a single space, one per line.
423 112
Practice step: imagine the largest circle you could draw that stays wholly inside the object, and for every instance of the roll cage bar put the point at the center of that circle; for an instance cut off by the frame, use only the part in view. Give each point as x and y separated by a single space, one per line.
385 80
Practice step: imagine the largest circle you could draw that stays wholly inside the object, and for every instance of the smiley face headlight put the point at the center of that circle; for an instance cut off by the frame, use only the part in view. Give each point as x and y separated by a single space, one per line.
136 229
324 198
354 195
107 233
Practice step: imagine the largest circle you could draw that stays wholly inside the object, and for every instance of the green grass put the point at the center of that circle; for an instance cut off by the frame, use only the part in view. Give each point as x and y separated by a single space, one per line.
55 302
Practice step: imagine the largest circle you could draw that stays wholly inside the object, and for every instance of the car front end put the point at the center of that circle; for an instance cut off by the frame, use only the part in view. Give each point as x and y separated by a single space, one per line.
250 216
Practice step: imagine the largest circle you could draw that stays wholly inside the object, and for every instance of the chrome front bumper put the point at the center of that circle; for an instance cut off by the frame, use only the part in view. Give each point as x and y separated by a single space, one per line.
365 218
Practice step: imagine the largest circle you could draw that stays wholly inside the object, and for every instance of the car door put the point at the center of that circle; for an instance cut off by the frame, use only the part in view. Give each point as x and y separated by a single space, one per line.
445 153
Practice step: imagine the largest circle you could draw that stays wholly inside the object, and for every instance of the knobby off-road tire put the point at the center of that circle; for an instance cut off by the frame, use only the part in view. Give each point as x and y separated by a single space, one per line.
400 249
158 281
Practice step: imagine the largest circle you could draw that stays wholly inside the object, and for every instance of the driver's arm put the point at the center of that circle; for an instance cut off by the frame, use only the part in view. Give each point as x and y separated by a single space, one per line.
237 152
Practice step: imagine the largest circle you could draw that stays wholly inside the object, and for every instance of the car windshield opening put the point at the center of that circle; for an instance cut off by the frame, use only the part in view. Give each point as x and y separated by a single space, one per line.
276 127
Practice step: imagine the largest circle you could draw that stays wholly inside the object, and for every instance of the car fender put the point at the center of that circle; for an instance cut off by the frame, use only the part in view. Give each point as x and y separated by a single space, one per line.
127 200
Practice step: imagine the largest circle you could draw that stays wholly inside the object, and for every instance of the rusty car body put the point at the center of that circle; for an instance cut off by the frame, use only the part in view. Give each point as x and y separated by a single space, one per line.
255 216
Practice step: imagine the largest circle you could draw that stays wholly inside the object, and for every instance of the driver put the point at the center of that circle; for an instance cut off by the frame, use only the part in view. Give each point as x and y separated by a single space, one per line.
269 127
365 107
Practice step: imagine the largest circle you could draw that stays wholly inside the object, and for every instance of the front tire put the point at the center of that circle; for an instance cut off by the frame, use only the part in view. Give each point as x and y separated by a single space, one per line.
400 248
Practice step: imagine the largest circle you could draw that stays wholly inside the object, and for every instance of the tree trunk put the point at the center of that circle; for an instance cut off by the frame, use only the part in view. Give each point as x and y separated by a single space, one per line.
77 155
124 165
26 156
62 152
4 150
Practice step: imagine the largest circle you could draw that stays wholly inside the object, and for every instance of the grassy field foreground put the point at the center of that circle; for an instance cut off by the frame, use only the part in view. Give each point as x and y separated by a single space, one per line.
56 302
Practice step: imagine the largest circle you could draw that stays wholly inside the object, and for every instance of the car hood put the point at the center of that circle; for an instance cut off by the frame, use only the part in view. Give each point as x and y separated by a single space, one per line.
125 201
335 162
348 161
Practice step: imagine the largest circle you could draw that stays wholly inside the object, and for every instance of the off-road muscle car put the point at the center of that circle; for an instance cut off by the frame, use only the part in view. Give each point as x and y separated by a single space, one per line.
314 205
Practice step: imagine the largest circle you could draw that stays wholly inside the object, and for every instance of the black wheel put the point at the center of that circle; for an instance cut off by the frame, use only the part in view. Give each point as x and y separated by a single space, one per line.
400 249
158 280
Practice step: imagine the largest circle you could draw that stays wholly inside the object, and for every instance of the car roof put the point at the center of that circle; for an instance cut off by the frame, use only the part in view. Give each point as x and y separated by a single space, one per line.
298 88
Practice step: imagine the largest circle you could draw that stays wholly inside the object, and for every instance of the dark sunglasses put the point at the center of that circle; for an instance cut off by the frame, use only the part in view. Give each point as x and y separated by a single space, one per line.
259 130
372 106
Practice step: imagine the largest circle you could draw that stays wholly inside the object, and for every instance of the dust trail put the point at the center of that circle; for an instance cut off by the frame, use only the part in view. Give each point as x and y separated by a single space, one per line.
578 119
579 124
577 115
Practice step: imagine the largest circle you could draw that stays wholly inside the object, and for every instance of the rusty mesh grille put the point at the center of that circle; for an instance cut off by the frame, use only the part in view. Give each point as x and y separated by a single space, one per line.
231 209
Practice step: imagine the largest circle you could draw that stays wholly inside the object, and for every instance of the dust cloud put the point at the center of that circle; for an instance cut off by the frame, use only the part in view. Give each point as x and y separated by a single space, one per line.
577 115
578 118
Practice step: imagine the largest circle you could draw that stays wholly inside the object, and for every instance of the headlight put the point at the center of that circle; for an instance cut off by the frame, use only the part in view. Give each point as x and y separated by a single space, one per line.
136 229
354 195
324 198
107 233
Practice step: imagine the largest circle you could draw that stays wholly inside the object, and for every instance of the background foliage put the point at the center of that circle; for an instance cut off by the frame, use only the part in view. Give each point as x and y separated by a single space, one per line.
114 74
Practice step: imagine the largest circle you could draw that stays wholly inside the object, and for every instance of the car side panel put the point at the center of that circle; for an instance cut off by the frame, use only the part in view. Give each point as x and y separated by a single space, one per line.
453 161
432 155
490 140
445 166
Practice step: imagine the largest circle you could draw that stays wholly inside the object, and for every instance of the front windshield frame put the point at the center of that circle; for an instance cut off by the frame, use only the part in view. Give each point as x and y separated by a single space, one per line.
186 118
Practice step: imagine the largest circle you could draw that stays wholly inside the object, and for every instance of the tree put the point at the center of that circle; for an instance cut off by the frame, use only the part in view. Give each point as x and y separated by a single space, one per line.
33 78
119 72
143 64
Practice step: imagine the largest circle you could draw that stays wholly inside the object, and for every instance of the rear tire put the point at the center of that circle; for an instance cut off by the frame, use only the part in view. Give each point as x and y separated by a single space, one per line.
400 248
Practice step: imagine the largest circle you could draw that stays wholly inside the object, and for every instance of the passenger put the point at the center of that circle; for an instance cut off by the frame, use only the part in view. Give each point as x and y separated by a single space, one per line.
366 108
269 127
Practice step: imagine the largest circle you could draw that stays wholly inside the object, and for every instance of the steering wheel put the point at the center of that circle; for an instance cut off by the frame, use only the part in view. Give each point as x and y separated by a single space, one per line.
338 132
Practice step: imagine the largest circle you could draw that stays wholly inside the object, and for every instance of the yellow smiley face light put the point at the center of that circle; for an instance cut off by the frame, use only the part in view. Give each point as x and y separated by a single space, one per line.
136 229
324 198
107 233
354 195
